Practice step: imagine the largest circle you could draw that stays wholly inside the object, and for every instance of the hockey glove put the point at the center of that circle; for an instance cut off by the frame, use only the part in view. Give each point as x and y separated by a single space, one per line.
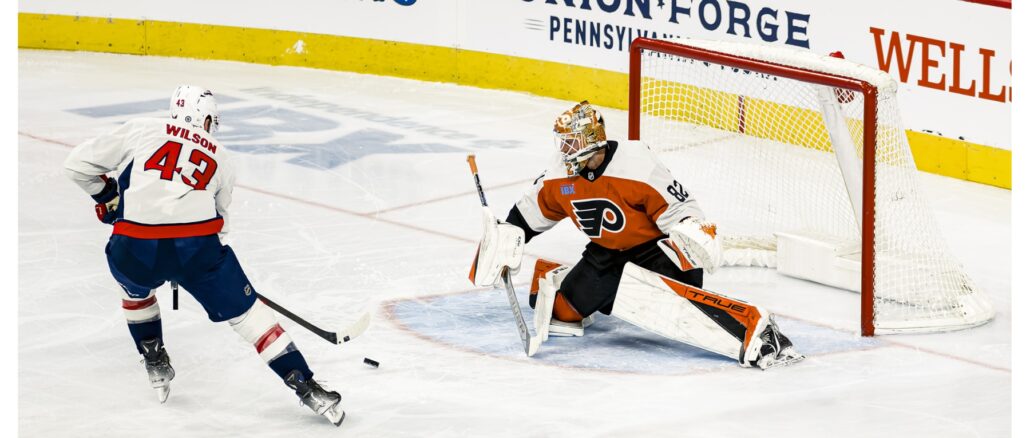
693 243
501 246
107 201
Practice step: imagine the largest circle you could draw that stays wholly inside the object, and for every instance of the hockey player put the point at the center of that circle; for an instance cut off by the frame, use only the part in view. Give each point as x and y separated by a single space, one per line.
169 208
649 245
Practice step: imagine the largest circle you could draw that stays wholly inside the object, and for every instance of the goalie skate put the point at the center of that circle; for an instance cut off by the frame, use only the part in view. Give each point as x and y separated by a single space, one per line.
159 367
562 328
776 350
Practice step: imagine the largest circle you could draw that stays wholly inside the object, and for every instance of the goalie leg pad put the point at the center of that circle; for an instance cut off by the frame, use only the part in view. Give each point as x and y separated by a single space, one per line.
549 301
688 314
546 295
554 314
541 269
565 319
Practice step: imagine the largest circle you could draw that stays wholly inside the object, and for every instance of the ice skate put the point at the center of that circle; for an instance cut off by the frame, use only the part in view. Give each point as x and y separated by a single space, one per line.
324 403
776 349
159 367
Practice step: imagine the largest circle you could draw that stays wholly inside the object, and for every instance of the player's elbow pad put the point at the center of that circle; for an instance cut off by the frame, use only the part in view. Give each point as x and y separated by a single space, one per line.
501 246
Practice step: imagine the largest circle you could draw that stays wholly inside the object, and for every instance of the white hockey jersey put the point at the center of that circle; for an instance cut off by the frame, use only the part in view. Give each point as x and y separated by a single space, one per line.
631 199
175 180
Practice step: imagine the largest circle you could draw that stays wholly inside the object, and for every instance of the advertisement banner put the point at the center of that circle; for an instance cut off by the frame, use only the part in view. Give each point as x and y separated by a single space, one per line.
952 59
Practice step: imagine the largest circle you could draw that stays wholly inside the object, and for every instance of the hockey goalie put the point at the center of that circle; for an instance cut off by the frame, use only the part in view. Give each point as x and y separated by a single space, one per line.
649 249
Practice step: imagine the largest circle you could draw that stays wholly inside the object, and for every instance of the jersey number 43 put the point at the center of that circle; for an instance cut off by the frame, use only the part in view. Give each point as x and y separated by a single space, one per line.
166 159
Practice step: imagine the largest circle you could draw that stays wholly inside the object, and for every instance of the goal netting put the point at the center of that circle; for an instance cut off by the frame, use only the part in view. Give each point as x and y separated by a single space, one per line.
802 161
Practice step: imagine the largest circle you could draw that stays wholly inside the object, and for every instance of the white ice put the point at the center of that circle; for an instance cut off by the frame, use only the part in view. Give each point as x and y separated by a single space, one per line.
385 219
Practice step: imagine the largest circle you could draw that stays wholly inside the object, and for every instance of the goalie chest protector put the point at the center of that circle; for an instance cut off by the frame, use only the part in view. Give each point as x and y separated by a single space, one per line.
629 200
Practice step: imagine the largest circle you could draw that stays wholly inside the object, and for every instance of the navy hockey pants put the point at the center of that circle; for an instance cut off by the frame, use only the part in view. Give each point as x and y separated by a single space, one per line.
203 266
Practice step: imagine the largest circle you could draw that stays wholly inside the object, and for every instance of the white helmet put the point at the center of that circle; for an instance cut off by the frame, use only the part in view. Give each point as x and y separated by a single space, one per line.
193 105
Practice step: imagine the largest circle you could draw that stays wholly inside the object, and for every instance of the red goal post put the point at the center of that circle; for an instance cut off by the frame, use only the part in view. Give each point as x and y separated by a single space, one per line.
646 48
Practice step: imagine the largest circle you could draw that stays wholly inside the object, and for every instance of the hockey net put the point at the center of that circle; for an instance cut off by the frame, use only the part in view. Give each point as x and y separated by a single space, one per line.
781 145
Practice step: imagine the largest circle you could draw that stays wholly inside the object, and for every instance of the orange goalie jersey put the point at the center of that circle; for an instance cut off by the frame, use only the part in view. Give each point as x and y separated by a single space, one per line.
630 199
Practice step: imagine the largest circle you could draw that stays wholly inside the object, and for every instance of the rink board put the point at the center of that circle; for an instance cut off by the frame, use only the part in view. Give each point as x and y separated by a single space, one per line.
479 322
957 158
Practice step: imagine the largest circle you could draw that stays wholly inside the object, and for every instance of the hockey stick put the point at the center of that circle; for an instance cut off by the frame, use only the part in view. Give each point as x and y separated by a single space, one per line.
516 311
513 301
350 332
347 334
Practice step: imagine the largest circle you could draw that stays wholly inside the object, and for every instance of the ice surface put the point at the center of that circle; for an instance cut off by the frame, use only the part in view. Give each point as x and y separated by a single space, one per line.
354 194
476 319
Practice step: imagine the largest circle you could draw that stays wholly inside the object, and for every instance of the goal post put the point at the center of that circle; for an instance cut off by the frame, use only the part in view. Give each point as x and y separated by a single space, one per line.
803 161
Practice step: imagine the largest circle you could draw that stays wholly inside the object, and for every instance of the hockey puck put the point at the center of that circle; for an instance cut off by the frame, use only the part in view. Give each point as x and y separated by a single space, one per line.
371 363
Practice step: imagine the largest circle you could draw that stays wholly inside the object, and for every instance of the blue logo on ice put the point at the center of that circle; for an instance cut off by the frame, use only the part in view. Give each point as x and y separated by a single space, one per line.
568 189
405 2
269 129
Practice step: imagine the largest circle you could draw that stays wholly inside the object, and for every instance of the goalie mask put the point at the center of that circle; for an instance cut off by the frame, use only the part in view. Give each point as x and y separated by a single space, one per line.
579 134
194 105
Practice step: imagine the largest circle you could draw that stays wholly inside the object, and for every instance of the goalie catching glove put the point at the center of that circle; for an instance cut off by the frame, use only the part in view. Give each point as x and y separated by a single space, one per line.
500 247
693 243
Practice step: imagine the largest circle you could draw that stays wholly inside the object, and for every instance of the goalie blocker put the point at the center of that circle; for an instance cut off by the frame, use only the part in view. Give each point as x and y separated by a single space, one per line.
500 247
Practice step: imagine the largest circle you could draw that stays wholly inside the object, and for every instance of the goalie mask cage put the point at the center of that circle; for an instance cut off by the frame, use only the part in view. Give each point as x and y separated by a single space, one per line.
774 140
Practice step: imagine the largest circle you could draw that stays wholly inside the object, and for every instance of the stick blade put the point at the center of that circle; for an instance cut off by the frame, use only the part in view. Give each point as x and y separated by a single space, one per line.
355 329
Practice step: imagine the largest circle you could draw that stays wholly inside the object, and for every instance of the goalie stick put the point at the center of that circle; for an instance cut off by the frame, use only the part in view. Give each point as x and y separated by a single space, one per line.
513 301
347 334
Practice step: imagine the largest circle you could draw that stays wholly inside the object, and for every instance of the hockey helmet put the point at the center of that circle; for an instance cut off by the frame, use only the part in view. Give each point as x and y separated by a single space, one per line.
193 105
578 135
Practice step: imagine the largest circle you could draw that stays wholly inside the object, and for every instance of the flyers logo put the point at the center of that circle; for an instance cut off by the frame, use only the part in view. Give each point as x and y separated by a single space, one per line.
594 216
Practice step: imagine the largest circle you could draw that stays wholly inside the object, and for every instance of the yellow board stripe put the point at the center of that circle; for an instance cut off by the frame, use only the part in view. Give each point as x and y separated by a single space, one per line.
961 159
936 154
